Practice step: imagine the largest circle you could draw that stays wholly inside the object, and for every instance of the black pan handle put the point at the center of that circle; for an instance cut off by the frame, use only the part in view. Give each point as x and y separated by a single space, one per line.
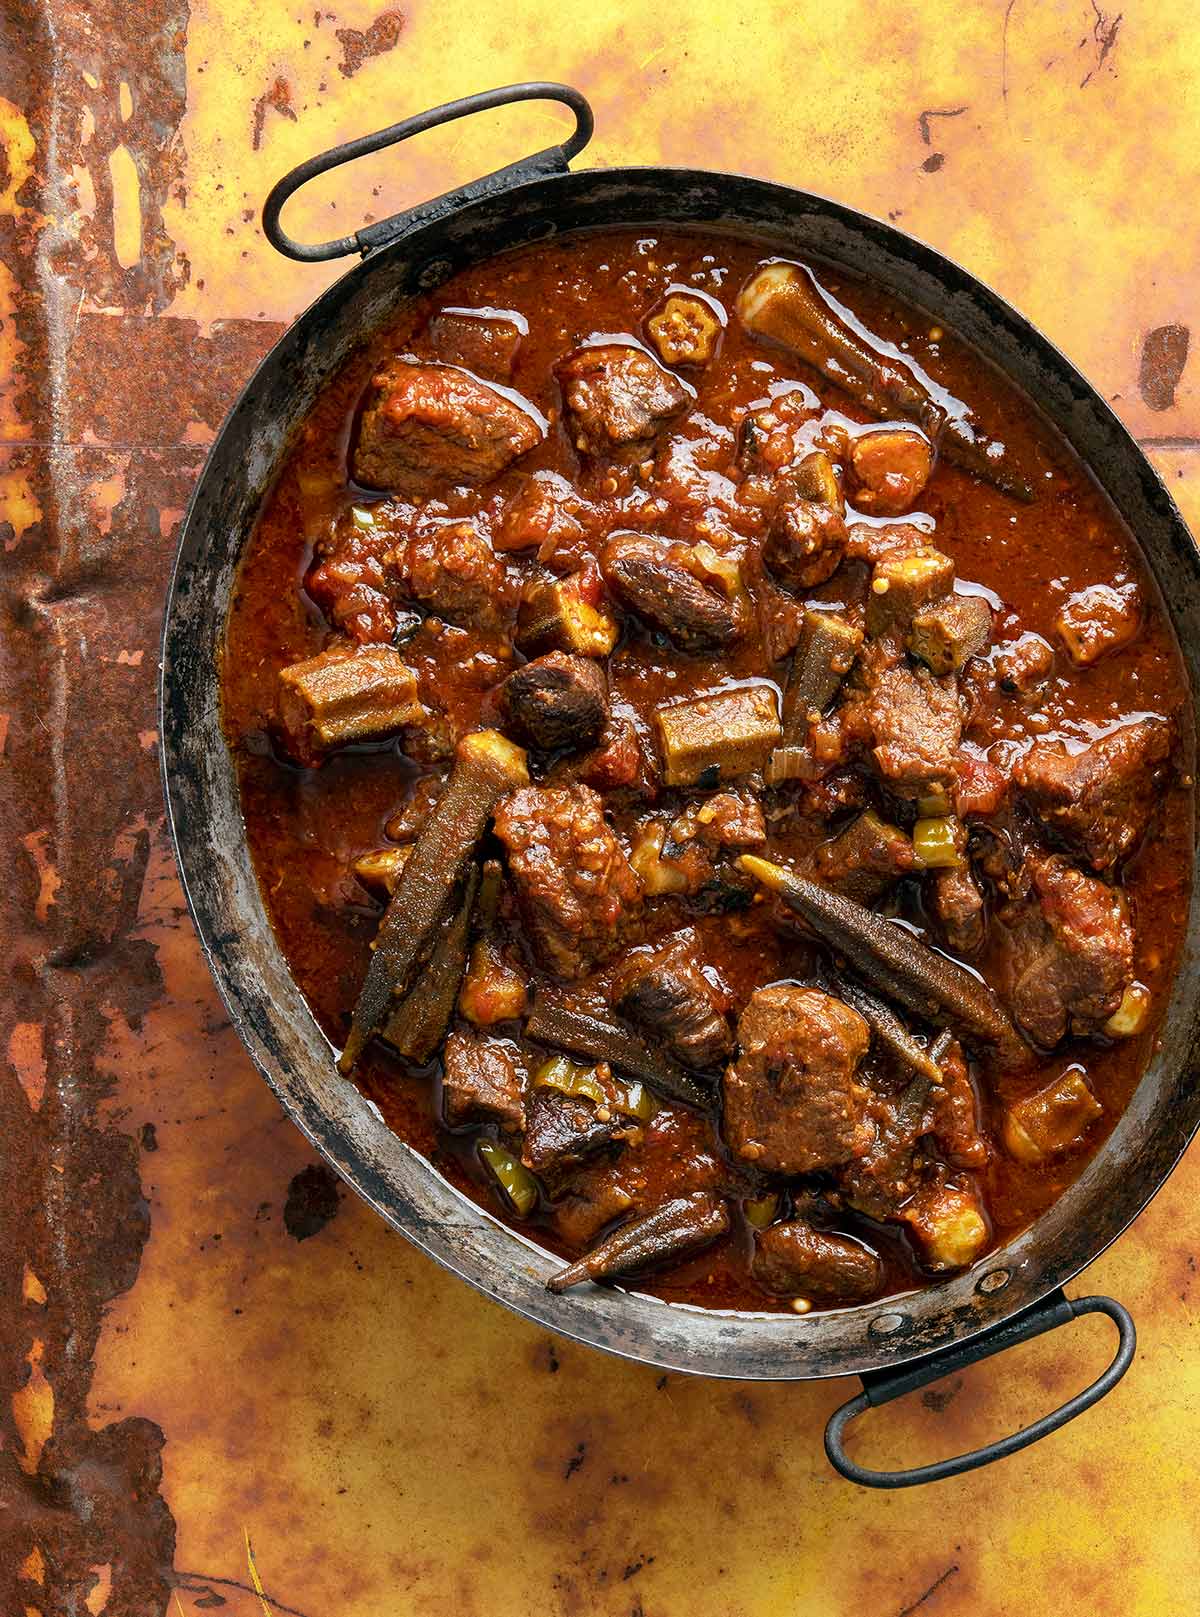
553 160
881 1386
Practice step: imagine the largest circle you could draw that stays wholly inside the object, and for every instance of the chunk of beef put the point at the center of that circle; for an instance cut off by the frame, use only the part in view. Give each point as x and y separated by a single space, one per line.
618 761
1072 951
659 582
792 1100
1098 620
891 467
454 572
805 543
865 859
345 694
594 1196
886 1173
556 701
617 399
1024 664
795 1260
430 427
667 997
696 850
779 434
952 1113
481 1080
564 1131
806 532
481 340
1101 798
910 722
542 514
958 906
577 890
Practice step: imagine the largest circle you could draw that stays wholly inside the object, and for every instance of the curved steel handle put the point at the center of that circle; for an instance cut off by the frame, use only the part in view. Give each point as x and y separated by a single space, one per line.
553 160
881 1386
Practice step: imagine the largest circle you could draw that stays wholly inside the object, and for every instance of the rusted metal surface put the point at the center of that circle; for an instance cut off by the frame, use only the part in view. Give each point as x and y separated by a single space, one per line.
204 1346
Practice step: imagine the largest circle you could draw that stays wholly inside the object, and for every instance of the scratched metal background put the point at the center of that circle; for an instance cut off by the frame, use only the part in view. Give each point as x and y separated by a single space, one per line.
223 1385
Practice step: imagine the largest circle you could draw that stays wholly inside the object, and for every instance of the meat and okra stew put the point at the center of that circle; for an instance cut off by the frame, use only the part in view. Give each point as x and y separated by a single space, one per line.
717 767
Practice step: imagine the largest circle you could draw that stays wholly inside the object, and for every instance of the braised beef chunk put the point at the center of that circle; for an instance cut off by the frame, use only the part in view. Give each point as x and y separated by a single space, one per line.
563 1131
596 1195
658 581
699 845
556 701
1072 952
1099 799
1023 665
952 1115
617 399
958 905
577 890
666 995
541 516
481 1080
480 340
793 1103
427 428
795 1260
1098 621
909 723
452 570
865 859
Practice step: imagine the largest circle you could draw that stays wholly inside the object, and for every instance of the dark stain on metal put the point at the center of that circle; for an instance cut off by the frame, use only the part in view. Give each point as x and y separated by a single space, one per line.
923 122
358 45
1008 11
906 1611
201 1584
1164 355
935 160
938 1399
149 1137
1102 38
576 1460
277 98
312 1201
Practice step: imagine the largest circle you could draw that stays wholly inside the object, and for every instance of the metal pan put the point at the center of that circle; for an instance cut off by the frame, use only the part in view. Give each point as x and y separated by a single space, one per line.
895 1345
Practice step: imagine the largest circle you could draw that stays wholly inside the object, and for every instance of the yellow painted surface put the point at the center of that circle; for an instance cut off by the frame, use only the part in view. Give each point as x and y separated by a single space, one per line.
349 1431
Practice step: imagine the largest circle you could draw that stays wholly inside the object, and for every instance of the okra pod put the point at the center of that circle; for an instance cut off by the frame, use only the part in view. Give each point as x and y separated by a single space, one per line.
670 1232
486 765
556 1021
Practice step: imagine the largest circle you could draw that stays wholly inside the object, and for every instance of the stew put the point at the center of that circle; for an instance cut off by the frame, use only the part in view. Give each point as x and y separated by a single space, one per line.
717 767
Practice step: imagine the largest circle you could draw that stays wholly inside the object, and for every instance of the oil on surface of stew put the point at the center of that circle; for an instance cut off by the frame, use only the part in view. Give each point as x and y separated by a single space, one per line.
717 767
